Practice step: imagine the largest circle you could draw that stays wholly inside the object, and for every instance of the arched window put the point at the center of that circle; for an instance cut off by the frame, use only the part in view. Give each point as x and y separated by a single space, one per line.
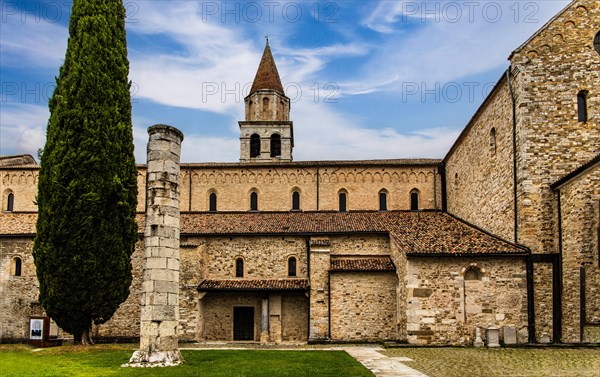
473 273
212 202
17 266
382 200
582 114
10 202
254 145
343 198
414 200
292 266
597 43
295 201
493 141
253 201
275 145
239 268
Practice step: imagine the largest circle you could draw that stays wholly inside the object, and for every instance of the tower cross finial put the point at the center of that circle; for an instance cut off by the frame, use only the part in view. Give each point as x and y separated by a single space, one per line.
267 38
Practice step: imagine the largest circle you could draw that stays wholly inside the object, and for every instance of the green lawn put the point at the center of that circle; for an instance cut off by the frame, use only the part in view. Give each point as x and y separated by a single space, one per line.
105 360
504 362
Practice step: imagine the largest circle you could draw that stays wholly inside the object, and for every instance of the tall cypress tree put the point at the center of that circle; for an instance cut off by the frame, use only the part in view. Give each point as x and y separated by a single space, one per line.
87 193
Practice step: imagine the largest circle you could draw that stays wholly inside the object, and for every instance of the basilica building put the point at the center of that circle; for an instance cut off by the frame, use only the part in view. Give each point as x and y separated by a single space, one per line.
502 233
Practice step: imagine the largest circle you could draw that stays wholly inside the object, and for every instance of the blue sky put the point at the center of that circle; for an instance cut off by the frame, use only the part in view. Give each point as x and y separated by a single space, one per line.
367 79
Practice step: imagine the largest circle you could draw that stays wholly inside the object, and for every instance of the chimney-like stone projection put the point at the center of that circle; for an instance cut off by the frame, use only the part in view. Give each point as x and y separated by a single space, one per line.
160 284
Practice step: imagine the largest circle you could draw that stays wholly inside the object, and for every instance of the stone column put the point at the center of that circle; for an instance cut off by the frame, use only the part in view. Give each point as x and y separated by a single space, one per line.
160 285
264 321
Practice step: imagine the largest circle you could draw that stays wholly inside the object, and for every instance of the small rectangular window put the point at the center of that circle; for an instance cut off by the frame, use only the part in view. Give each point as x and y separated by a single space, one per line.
582 106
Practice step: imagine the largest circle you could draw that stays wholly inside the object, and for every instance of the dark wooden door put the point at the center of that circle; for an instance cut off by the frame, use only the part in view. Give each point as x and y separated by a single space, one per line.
243 323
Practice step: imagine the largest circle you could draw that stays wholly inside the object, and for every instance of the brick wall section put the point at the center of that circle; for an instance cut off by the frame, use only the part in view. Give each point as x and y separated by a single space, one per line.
363 306
580 200
444 309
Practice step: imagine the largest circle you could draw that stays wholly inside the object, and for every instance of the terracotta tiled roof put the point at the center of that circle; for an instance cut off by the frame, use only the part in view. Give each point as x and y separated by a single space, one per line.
254 285
267 76
17 160
17 223
414 232
359 264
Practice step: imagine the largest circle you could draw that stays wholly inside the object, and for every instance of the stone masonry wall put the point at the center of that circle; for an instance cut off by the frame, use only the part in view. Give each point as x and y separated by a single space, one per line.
363 306
22 183
275 185
264 257
18 294
580 202
401 263
444 309
555 65
542 297
360 245
479 173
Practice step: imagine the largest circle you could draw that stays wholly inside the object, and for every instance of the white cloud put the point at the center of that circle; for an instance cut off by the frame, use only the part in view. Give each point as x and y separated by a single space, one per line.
23 128
322 133
447 40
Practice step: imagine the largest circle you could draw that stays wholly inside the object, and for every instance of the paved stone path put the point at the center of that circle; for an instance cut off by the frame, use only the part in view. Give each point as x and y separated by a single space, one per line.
381 365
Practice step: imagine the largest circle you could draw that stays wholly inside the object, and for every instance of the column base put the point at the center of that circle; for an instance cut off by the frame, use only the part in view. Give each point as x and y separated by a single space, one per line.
143 359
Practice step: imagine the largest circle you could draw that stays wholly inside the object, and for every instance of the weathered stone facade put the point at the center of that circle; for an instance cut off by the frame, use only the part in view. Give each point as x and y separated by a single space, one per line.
510 185
579 208
500 237
445 307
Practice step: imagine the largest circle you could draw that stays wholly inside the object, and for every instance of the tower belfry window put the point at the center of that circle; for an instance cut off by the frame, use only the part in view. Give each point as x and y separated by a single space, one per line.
597 43
275 145
254 145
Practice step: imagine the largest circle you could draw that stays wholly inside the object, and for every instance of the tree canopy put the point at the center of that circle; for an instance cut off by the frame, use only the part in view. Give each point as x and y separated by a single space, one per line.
87 192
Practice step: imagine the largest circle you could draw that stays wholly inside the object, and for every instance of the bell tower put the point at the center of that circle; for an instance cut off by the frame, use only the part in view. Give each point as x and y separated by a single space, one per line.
266 135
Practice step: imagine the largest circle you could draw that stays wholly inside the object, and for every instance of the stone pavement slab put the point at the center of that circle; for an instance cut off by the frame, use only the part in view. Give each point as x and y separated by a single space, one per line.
381 365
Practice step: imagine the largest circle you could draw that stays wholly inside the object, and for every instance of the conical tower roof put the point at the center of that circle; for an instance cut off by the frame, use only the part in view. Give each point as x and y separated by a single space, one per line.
267 76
